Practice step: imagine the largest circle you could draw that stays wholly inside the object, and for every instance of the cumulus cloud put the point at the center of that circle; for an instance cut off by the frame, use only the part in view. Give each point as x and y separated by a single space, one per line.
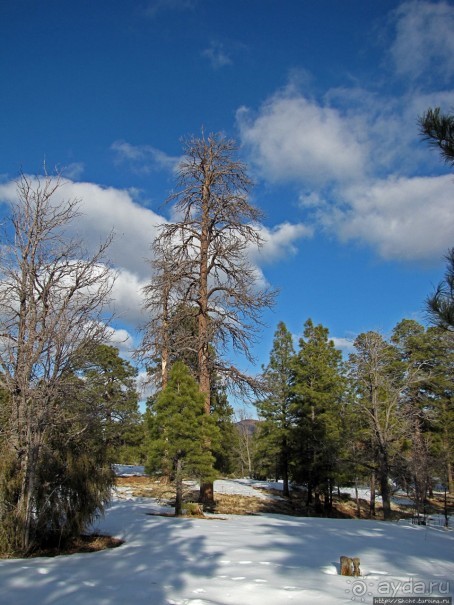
127 297
424 40
279 242
293 138
403 218
122 340
356 155
105 210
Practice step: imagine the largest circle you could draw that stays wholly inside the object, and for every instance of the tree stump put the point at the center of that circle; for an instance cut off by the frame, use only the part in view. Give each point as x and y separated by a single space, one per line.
350 566
346 566
356 563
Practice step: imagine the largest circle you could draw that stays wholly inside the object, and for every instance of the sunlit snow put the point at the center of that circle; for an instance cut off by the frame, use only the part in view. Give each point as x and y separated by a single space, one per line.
235 560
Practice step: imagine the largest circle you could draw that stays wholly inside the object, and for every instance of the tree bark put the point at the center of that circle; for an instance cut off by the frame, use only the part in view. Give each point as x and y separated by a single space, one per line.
179 489
372 495
384 485
285 477
206 495
358 507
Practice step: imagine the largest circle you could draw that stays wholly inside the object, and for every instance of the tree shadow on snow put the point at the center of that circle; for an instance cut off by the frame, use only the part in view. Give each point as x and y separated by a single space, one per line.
149 568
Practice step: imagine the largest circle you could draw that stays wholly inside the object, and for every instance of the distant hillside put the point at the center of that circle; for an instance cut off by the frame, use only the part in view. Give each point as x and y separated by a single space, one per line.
247 425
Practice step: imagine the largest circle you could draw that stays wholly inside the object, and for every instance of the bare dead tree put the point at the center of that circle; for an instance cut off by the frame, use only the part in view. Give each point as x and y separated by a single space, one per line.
206 266
53 299
210 242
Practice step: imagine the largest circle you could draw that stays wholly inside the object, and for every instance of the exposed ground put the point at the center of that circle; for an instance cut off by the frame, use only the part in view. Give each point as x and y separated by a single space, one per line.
81 544
267 501
234 504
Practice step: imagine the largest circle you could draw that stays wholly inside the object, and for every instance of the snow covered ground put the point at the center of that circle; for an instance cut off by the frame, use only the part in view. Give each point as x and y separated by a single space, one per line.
234 560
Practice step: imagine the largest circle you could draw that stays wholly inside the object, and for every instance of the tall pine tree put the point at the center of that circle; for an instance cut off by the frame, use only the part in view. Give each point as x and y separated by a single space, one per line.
275 409
179 432
318 386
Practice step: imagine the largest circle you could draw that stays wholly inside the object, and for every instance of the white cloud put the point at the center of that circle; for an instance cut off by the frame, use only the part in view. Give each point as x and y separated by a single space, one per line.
279 242
143 159
104 210
127 297
403 218
294 138
217 55
346 345
355 154
424 41
122 340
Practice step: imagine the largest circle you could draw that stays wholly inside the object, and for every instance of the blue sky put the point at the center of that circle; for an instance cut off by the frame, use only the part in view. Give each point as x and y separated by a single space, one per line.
323 99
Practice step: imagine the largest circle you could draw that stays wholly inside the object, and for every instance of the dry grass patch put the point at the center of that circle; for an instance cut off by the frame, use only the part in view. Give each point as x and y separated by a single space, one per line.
81 544
233 504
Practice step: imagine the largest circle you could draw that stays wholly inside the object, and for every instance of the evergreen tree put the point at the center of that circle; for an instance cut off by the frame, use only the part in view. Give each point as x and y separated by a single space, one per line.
222 413
440 305
318 386
442 403
416 354
431 401
110 381
275 409
180 432
438 128
356 461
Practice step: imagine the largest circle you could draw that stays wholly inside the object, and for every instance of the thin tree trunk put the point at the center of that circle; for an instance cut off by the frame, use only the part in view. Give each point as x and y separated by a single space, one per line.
179 490
417 497
372 495
317 503
285 487
450 477
384 486
25 505
358 507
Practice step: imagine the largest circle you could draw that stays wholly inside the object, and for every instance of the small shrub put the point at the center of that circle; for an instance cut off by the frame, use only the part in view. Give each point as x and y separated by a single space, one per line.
192 509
